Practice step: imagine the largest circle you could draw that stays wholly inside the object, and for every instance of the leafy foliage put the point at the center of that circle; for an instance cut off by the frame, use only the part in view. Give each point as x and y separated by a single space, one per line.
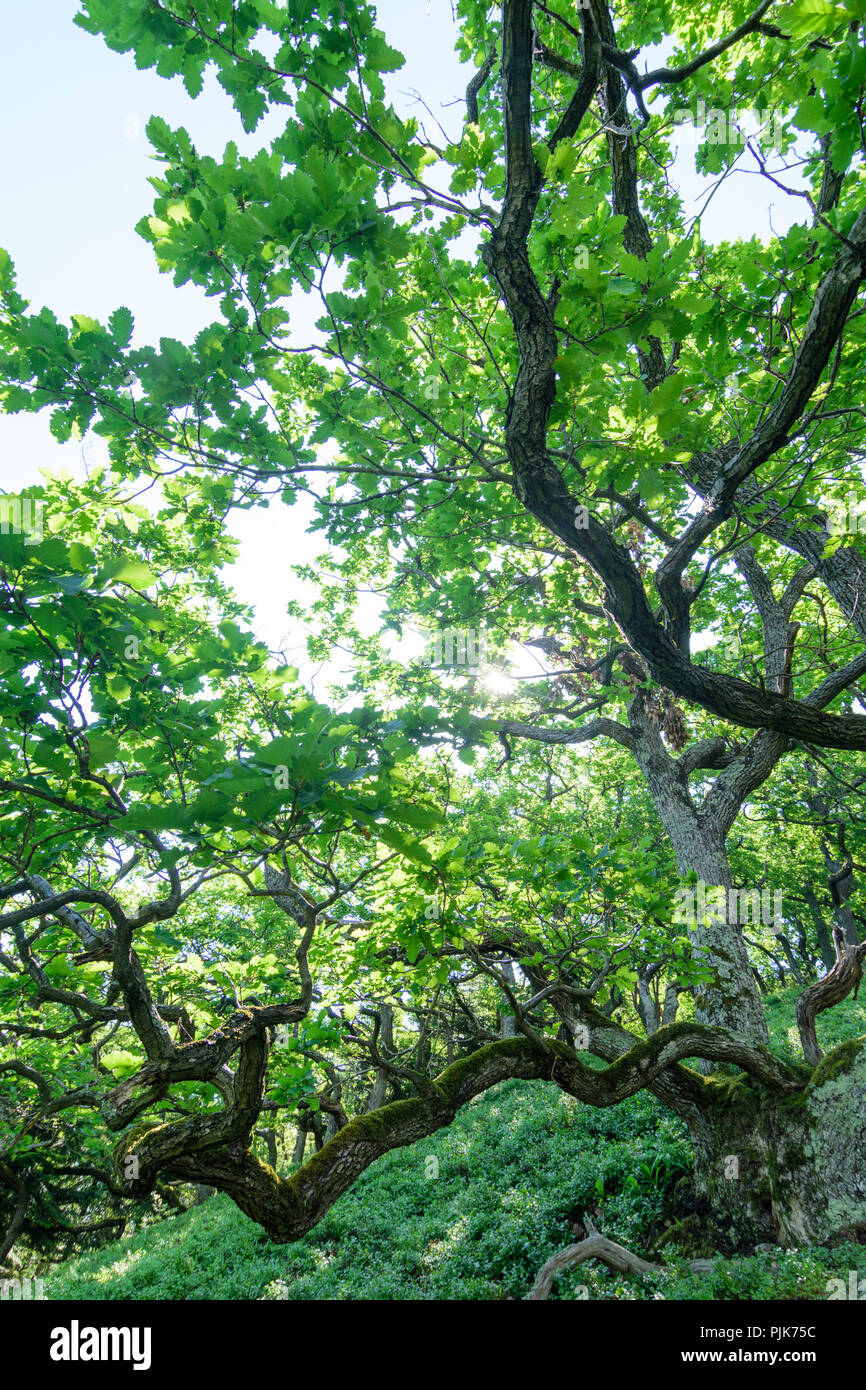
539 403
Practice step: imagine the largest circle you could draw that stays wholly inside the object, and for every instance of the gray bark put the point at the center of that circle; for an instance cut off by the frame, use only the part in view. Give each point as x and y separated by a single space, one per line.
509 1022
825 945
386 1050
300 1145
790 1172
698 841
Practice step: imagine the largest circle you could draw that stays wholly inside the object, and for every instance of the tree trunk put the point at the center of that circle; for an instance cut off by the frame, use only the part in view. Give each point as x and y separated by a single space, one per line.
841 882
788 1171
732 1000
387 1050
269 1138
779 1152
825 945
509 1022
300 1145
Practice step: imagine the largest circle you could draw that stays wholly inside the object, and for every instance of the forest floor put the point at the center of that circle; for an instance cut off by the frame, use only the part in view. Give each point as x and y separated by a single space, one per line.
474 1211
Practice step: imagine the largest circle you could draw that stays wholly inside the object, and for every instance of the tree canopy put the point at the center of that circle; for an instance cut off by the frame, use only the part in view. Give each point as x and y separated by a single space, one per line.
548 421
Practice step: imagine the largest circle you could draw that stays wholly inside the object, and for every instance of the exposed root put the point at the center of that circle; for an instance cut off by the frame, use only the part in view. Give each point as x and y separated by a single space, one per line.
598 1247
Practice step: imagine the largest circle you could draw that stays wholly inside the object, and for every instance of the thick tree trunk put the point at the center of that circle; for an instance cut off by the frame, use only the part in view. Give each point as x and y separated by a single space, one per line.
733 1000
789 1171
779 1150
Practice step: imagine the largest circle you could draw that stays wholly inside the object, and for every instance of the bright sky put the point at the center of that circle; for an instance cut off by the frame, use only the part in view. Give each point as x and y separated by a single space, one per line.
75 163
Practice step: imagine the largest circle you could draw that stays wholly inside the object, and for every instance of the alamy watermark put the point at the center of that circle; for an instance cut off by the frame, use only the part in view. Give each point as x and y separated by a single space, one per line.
855 1289
711 903
734 127
22 516
846 517
453 646
22 1289
77 1343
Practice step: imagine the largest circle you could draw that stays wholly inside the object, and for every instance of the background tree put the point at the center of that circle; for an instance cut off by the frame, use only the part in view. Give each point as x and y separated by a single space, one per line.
539 403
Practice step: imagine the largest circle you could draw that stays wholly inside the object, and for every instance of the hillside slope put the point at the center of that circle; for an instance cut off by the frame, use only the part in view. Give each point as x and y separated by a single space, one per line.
473 1212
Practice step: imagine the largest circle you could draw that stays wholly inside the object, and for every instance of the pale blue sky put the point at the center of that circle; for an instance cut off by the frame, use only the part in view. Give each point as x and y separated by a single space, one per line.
75 162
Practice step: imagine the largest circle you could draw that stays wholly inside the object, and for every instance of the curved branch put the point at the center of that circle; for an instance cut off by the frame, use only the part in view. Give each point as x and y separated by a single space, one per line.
832 304
597 1247
540 486
836 985
289 1207
157 1146
70 918
599 728
749 26
709 752
475 85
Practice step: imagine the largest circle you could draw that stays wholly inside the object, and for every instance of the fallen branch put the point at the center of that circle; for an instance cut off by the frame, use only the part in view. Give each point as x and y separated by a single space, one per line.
598 1247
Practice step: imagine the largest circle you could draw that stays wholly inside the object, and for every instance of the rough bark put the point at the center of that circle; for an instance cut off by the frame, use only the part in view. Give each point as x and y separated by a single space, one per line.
597 1247
732 1000
288 1207
836 985
791 1171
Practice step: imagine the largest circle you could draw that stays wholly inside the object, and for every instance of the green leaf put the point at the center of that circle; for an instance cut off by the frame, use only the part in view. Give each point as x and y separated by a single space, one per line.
124 571
120 325
118 687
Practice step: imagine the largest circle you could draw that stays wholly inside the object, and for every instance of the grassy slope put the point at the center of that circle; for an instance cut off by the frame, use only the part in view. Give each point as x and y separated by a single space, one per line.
510 1169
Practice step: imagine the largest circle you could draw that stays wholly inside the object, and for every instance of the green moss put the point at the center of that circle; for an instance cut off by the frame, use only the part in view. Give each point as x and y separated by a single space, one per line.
378 1124
840 1060
453 1079
132 1136
476 1225
646 1051
728 1089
